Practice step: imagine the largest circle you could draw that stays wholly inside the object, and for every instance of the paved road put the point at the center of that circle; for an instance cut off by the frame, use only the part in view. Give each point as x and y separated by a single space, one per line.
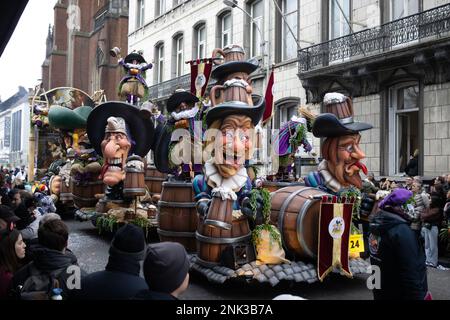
92 252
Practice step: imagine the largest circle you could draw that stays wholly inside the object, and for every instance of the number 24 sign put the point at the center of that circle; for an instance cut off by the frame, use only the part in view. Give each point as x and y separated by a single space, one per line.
356 243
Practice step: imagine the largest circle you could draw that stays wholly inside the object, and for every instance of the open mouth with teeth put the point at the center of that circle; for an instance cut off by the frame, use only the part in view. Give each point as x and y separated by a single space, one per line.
112 171
234 160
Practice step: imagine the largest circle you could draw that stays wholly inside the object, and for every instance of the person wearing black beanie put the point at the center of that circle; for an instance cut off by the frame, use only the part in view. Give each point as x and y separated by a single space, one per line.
120 280
166 271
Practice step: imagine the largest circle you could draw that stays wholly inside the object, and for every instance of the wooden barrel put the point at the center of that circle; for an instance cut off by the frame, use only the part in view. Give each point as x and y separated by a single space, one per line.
84 193
65 196
211 242
273 186
177 218
154 180
297 217
220 214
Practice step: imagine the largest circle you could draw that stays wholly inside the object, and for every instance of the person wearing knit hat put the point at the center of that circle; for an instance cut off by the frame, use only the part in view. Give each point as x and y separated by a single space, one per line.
166 271
121 278
397 251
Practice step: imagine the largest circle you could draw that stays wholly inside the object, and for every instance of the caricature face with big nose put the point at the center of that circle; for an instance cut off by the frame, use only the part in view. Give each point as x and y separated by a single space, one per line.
115 148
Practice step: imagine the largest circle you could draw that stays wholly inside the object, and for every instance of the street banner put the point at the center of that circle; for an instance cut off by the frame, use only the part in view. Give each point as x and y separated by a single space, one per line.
200 73
268 112
335 218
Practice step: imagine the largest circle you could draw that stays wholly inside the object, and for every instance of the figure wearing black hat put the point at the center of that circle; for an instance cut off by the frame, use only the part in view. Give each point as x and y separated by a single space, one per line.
117 131
186 113
340 150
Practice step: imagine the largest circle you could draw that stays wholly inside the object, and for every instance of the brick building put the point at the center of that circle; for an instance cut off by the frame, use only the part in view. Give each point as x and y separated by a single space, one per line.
78 45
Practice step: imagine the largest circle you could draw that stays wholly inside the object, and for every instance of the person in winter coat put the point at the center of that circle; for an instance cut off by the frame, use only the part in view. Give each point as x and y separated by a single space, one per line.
412 168
50 257
12 251
431 220
397 251
166 271
120 280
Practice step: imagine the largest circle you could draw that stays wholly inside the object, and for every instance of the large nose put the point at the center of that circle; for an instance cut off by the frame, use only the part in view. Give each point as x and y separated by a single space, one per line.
358 153
111 149
238 144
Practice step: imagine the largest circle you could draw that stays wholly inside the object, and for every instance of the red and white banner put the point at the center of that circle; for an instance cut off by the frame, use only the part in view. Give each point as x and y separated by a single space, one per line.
200 73
268 112
334 230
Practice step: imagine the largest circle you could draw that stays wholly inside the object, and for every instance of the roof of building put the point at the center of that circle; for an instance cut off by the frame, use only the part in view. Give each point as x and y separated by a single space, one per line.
18 98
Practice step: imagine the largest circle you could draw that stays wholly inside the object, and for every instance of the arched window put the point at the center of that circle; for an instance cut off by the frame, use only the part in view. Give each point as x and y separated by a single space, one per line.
159 62
178 55
199 50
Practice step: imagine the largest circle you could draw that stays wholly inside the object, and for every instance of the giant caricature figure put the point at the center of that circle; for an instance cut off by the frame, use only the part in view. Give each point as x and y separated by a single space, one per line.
341 152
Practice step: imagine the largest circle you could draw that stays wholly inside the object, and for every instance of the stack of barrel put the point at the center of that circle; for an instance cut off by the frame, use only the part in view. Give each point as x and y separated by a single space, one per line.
219 229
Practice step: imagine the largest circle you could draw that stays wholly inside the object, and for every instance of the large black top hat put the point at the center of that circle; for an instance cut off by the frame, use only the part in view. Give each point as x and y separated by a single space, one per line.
338 119
141 129
221 71
225 109
134 56
180 95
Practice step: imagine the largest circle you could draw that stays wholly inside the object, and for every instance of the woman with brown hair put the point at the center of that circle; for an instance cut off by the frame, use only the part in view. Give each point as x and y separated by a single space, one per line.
12 250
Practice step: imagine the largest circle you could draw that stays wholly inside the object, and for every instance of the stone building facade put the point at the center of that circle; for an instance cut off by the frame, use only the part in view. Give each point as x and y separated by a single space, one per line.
390 56
78 45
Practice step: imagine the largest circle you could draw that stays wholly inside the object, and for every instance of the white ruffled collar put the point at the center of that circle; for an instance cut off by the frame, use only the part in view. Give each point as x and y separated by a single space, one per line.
216 181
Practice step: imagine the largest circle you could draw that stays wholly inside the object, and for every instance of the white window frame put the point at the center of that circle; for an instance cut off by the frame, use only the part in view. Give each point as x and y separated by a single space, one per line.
140 16
285 30
162 7
254 30
160 56
201 44
227 31
342 22
179 70
407 10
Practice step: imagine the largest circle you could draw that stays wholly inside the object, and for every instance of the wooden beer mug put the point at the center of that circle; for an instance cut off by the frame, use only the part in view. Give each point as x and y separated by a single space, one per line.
233 90
232 52
220 213
134 184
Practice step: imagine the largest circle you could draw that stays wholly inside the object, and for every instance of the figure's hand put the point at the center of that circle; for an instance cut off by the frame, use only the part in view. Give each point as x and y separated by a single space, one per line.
203 207
248 210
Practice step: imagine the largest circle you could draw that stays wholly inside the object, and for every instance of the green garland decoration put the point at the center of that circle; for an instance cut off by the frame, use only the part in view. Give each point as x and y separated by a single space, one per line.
274 234
106 224
142 222
355 193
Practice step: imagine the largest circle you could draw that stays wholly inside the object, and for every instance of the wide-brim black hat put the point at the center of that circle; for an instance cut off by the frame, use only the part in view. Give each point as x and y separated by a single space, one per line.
178 97
161 149
328 125
141 129
134 56
222 110
224 69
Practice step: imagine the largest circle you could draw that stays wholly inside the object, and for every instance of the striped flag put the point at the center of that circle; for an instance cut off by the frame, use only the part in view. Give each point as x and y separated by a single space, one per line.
268 112
334 230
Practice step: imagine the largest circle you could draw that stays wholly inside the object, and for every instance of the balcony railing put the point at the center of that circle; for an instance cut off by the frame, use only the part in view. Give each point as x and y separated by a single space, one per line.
164 89
434 22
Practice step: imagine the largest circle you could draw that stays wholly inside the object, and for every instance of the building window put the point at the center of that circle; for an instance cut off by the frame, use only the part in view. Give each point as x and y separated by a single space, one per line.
160 7
403 8
226 35
290 13
200 42
403 124
7 132
256 11
16 130
338 23
159 54
140 15
178 56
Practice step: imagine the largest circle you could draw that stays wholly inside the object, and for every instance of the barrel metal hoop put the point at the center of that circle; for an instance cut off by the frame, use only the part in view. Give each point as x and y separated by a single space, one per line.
177 184
218 224
210 240
154 179
83 198
133 190
176 204
177 234
286 203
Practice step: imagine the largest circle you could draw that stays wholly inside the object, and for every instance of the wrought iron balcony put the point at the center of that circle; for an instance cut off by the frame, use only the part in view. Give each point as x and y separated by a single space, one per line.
433 23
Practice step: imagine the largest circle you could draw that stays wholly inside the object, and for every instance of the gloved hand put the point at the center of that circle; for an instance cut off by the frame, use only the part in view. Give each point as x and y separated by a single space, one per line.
247 209
203 207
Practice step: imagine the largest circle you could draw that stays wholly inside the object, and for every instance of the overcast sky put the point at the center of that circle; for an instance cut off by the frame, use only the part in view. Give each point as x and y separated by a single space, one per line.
20 63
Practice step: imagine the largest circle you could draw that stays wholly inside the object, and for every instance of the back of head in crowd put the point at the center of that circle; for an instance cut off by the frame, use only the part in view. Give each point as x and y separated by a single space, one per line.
7 217
128 241
166 268
48 217
54 235
12 248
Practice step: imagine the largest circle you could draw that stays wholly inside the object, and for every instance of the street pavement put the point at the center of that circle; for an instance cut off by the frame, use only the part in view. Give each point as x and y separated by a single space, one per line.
92 252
